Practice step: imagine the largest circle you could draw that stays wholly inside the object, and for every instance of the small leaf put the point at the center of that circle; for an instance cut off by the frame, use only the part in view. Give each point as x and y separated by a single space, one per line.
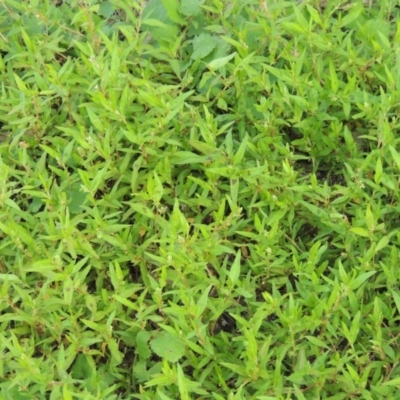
203 45
299 393
234 191
178 220
237 158
334 78
202 302
20 83
392 382
142 209
369 219
350 17
360 231
355 328
116 355
220 62
172 7
314 15
158 189
317 342
168 346
182 385
396 298
190 8
142 348
378 171
95 120
154 22
314 209
68 290
187 157
202 147
53 153
342 273
361 279
106 9
396 156
235 269
383 242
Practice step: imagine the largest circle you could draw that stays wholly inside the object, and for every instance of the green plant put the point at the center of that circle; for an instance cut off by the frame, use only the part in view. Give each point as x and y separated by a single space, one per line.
198 199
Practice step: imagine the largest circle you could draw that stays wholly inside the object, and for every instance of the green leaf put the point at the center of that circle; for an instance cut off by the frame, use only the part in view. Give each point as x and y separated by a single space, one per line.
396 156
220 62
202 147
187 157
116 356
9 278
160 380
95 120
237 158
106 9
178 220
281 74
369 218
203 45
168 346
234 272
191 8
158 189
317 342
68 289
21 84
299 393
392 382
342 273
142 209
202 302
378 171
237 368
182 385
76 198
172 7
356 283
352 15
360 231
53 153
314 209
125 302
383 242
142 347
334 78
355 328
396 298
314 15
154 22
162 395
234 183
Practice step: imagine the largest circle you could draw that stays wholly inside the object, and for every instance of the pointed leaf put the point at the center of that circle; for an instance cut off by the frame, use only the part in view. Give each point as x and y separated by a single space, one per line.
361 279
360 231
172 7
395 155
235 269
220 62
396 298
237 158
383 242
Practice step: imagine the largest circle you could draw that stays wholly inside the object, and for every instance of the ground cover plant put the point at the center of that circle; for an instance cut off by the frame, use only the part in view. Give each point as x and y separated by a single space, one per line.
199 199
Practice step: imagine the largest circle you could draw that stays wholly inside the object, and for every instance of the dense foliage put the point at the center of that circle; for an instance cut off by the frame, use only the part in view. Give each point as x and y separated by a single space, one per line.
199 199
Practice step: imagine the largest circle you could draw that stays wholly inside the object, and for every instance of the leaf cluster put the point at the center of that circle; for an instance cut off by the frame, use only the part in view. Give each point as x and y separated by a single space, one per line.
199 199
